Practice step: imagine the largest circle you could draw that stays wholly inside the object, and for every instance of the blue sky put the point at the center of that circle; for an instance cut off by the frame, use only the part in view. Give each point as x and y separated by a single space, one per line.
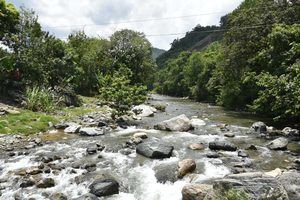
61 17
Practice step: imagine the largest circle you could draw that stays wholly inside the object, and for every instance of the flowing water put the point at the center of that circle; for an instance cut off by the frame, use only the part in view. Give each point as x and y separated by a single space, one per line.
138 176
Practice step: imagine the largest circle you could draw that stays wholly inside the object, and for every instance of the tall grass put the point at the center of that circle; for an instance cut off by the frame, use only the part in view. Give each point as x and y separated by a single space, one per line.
40 99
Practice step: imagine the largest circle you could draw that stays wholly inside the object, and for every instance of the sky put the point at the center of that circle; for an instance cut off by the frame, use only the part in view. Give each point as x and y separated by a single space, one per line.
103 17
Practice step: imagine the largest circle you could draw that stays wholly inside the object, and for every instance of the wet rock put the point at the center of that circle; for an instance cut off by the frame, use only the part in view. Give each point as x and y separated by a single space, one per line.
254 185
27 183
196 146
212 155
104 187
87 197
102 124
251 147
153 149
196 191
179 123
91 150
58 196
91 131
289 132
229 135
46 183
62 125
222 145
291 182
11 154
258 127
186 166
144 111
141 135
278 144
197 123
100 147
242 154
134 141
166 172
72 128
126 151
33 171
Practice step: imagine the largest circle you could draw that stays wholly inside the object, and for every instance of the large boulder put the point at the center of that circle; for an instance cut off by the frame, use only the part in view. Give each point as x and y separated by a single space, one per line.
291 182
278 144
91 131
144 110
104 187
222 145
154 149
253 185
290 132
258 127
186 166
179 123
196 191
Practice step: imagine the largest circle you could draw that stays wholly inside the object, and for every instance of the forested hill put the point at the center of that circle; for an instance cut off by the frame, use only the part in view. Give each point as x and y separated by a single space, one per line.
255 66
196 39
156 52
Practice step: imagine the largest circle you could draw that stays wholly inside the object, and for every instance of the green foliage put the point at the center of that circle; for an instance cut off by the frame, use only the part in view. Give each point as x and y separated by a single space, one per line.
40 99
118 90
9 17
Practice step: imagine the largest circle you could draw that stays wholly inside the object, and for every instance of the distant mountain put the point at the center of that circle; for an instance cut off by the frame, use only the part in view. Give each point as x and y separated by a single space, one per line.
156 52
199 38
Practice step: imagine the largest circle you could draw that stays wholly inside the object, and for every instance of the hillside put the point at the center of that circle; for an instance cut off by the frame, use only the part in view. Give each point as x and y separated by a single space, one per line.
156 52
196 39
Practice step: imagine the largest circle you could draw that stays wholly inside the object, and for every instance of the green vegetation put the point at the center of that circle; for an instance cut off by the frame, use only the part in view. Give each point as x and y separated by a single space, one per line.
78 66
27 122
254 66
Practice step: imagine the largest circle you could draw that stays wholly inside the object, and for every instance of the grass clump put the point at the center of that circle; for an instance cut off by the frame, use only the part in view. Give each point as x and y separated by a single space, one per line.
40 99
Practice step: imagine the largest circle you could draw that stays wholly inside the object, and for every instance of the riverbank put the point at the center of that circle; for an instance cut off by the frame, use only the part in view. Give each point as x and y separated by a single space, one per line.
136 161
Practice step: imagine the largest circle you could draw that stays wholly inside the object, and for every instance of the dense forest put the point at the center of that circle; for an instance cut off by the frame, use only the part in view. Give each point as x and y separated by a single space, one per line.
43 72
253 66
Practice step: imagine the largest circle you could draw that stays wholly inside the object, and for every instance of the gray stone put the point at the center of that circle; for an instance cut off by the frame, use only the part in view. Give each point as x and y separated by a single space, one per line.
91 131
72 128
104 187
258 127
278 144
153 149
222 145
179 123
196 191
291 182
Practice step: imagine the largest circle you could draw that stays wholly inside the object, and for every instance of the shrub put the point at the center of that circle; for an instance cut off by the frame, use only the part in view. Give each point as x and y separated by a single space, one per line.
118 90
40 99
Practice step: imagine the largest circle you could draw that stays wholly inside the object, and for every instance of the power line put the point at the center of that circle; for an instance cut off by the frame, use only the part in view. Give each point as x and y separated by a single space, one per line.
150 19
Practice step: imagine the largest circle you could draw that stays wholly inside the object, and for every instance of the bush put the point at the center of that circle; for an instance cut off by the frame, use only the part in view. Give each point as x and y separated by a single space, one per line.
40 99
117 89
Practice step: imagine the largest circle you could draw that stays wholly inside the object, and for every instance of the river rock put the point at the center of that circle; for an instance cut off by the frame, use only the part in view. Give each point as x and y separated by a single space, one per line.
254 185
104 187
27 183
166 172
72 128
87 197
278 144
160 106
144 111
89 131
196 191
229 135
196 146
251 147
274 173
46 183
186 166
291 182
289 132
58 196
222 145
258 127
91 150
242 154
197 123
153 149
141 135
179 123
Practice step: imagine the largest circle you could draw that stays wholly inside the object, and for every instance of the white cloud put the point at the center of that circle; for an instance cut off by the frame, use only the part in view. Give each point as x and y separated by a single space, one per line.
57 13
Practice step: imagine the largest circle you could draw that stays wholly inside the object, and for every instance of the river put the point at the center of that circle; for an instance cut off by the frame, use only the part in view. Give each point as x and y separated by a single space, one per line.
141 178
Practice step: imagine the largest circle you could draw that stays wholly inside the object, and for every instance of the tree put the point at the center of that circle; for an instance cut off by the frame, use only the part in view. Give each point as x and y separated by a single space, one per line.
9 17
131 50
